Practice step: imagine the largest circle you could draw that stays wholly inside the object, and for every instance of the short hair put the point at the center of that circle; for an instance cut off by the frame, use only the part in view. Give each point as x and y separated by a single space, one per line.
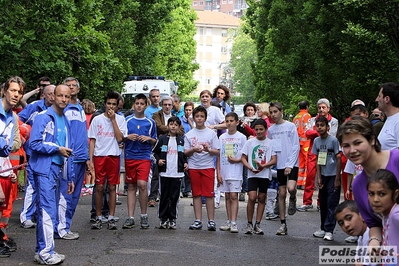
359 107
44 78
248 105
152 90
323 100
391 89
88 106
174 119
206 92
188 104
112 95
304 104
278 105
233 115
140 96
261 122
322 119
198 109
226 92
387 177
15 79
359 125
264 107
166 98
175 97
72 79
350 204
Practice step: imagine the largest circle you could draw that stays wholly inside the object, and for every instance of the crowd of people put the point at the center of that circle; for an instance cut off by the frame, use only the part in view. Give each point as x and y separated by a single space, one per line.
161 150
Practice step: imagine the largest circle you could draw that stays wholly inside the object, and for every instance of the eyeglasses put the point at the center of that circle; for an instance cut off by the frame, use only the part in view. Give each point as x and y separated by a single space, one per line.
167 104
376 115
43 85
72 85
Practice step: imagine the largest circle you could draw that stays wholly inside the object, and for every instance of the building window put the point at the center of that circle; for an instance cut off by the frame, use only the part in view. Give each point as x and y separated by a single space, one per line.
195 3
224 2
224 33
209 31
201 3
201 31
230 1
207 81
223 49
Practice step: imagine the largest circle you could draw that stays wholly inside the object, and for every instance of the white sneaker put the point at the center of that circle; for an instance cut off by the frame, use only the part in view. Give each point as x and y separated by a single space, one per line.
328 236
234 228
319 233
351 239
28 224
225 227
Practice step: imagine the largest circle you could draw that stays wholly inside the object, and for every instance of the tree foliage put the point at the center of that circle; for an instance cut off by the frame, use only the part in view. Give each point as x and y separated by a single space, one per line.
338 49
100 42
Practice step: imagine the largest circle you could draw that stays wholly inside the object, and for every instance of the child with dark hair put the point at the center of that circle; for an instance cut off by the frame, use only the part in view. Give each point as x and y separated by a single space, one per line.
383 194
169 153
328 173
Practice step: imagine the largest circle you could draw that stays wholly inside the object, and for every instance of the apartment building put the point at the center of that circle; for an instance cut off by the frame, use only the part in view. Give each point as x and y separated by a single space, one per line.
230 7
213 47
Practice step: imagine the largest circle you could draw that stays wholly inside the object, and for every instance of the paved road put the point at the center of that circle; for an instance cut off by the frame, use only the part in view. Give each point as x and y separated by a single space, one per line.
181 246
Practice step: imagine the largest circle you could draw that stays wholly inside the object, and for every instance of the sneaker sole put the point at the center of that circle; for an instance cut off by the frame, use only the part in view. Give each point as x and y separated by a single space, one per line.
128 226
234 231
195 228
212 229
144 226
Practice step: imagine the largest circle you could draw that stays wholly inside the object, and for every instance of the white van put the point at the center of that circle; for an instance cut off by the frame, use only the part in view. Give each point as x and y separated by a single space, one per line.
144 84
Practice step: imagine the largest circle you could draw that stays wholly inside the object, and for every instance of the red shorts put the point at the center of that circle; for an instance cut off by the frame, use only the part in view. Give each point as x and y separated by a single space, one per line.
202 182
107 168
137 170
5 183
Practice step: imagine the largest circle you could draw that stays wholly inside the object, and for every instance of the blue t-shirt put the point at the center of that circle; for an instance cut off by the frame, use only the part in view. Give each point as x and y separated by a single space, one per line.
138 150
330 145
150 110
61 139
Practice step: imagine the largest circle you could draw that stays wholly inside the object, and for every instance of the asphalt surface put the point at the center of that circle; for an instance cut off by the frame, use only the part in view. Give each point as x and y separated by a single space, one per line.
178 247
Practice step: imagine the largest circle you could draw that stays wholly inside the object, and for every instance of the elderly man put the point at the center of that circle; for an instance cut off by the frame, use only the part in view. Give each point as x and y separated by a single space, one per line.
323 108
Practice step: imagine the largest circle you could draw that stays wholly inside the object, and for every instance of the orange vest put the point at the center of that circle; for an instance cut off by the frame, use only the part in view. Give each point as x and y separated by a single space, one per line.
300 121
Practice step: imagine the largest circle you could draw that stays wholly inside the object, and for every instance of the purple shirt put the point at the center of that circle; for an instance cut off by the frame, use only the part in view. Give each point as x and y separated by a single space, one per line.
359 188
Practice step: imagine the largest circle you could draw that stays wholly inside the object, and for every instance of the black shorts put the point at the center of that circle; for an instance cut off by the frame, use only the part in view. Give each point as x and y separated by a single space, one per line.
282 179
255 183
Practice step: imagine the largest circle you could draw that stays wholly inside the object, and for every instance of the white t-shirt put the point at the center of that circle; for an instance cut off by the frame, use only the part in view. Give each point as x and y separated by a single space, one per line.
102 131
172 160
286 144
261 151
231 145
214 116
352 168
388 136
195 137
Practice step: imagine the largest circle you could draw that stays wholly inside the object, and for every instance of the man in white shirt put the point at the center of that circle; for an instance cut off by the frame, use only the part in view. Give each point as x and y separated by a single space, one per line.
388 102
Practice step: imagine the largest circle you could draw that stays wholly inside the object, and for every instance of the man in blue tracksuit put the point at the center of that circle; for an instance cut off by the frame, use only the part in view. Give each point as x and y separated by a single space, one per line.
27 115
50 144
77 119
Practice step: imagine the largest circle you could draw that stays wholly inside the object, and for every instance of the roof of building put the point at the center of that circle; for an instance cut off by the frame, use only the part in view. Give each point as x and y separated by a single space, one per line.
216 18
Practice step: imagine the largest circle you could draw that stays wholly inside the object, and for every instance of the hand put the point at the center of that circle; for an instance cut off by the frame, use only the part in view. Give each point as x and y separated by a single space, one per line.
206 147
347 194
185 166
320 183
287 171
71 187
220 180
133 137
66 152
198 149
13 177
259 166
337 184
231 159
161 162
255 171
143 138
111 114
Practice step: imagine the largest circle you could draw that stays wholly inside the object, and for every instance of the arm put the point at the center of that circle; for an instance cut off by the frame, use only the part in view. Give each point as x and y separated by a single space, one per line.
17 142
115 126
24 99
244 160
91 152
218 173
375 237
337 181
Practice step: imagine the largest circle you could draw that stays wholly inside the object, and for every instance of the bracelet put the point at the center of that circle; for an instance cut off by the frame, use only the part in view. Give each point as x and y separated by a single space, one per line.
374 238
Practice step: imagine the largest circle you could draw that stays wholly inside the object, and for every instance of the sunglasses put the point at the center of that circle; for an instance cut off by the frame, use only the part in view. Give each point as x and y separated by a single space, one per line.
43 85
376 115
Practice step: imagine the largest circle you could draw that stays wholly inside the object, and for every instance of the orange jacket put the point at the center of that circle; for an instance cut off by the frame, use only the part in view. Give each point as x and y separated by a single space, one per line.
300 121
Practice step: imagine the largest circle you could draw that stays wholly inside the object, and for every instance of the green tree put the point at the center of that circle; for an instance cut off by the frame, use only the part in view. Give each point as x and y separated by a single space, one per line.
341 50
243 57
